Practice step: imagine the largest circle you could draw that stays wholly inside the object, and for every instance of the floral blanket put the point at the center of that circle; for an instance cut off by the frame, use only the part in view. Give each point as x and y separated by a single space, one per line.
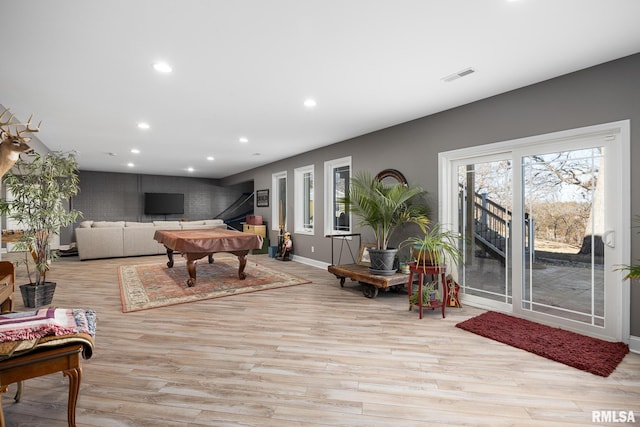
26 331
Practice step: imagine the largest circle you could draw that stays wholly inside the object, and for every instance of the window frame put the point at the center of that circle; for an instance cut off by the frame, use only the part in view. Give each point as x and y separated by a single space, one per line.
301 197
275 199
330 197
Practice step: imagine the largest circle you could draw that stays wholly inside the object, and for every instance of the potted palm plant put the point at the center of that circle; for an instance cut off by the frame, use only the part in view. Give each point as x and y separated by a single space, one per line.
39 186
384 208
633 271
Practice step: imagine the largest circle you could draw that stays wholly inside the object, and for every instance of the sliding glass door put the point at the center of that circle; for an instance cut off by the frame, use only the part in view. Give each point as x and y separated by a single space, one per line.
563 191
484 219
542 220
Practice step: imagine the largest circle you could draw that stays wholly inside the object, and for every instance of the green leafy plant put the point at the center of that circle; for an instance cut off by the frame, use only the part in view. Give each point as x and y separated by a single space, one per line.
633 271
39 186
435 246
385 207
430 293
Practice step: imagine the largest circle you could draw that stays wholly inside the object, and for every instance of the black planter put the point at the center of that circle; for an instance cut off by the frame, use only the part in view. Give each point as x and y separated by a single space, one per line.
383 262
36 296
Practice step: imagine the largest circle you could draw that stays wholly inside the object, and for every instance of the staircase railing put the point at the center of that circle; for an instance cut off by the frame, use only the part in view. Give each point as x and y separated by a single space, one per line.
492 225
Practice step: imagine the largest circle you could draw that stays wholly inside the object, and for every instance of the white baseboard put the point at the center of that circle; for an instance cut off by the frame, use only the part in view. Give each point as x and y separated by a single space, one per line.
634 344
309 261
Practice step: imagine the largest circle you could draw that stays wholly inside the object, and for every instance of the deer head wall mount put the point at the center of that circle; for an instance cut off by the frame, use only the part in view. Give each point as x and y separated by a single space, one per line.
13 143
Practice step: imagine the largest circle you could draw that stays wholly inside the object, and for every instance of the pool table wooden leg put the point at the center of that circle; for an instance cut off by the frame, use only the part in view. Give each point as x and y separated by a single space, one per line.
191 269
170 256
242 260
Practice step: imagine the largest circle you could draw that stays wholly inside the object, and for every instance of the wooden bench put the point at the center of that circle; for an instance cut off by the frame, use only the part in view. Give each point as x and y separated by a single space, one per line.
44 352
65 359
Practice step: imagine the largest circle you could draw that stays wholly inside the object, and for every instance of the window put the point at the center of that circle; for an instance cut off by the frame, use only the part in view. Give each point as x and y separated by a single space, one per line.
279 200
337 175
303 217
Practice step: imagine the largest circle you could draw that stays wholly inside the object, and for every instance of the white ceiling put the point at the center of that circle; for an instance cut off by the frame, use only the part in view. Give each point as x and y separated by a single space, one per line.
244 68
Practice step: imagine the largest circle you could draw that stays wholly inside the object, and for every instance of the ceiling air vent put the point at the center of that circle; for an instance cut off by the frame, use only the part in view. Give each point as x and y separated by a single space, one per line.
455 76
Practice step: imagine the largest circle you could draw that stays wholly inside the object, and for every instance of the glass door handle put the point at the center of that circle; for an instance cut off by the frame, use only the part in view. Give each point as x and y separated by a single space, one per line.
609 238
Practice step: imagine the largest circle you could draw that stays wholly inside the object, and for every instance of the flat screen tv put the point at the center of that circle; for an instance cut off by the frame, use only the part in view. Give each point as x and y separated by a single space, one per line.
163 203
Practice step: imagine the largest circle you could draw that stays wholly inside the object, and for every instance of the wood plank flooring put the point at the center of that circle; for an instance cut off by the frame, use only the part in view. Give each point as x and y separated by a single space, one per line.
309 355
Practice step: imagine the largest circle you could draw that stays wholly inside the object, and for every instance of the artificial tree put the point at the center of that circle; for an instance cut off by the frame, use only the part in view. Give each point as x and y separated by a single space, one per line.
39 187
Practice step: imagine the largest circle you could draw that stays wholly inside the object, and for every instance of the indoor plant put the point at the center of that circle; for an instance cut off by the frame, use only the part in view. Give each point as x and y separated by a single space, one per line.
39 186
435 246
632 271
430 293
384 208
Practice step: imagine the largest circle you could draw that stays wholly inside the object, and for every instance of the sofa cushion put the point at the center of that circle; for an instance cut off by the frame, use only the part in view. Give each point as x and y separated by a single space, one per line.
139 241
85 224
138 224
100 242
108 224
166 223
213 221
203 224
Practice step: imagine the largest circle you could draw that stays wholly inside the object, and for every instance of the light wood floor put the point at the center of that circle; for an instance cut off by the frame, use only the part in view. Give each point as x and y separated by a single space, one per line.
308 355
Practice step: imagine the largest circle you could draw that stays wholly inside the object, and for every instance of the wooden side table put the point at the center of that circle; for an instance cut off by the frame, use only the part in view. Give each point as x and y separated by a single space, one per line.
433 270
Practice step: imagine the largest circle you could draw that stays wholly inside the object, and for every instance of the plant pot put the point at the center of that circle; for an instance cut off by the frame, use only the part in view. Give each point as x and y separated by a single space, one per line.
404 268
383 262
36 296
424 257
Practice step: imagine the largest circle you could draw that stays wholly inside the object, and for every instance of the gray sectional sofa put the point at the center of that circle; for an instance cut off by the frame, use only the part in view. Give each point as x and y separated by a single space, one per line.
112 239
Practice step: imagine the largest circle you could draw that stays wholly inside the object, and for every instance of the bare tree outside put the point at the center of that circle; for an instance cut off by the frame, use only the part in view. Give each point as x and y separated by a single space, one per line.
565 196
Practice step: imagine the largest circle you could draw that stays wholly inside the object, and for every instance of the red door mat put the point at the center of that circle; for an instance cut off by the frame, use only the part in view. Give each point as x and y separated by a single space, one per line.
579 351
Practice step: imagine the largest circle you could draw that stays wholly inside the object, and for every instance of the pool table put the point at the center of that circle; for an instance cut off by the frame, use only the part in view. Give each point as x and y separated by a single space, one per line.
197 244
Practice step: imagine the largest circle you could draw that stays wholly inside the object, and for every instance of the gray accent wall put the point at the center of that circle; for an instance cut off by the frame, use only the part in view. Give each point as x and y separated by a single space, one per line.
605 93
108 196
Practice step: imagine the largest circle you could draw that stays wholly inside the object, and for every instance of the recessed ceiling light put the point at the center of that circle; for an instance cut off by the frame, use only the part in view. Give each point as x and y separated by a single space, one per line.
310 103
190 169
135 151
130 164
162 67
459 74
210 158
143 125
243 140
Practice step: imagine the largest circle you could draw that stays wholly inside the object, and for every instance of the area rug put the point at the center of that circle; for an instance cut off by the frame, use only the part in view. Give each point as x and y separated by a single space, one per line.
593 355
154 285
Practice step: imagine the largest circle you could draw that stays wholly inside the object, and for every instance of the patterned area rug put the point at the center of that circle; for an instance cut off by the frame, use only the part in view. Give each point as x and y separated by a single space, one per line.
593 355
154 285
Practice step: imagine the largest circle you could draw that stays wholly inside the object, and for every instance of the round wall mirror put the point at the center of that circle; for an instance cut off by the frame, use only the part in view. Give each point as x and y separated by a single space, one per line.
391 174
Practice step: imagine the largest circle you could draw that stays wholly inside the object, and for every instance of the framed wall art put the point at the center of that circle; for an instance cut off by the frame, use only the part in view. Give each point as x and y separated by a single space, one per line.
363 257
262 198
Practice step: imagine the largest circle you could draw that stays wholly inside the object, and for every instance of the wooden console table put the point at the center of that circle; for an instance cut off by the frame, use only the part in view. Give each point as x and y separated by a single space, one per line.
65 359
